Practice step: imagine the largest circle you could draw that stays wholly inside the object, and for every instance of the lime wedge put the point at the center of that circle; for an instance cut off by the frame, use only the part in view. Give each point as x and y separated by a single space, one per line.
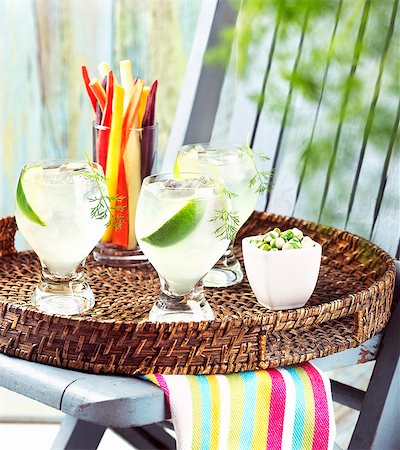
176 167
178 226
186 162
22 201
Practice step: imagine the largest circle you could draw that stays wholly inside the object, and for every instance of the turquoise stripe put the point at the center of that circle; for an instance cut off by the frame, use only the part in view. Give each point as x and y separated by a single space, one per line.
249 407
205 412
299 414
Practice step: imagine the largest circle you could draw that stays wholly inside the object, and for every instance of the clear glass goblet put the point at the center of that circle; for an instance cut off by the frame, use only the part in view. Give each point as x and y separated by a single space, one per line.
176 231
61 210
230 165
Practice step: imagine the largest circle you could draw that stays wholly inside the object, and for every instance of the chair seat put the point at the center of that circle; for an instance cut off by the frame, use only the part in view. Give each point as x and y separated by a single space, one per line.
117 401
111 401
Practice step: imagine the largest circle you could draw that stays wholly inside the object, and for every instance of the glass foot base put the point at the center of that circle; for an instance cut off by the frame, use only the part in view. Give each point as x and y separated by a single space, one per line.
115 256
63 298
224 276
181 309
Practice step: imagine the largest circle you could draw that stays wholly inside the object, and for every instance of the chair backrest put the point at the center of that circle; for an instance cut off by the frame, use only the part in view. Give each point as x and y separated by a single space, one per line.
319 94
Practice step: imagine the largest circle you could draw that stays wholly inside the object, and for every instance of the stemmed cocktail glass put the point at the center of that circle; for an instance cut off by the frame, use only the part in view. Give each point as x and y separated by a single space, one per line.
176 229
62 210
233 166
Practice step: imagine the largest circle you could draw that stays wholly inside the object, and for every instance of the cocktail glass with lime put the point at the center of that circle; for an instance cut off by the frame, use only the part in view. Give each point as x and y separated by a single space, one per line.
175 226
233 167
54 211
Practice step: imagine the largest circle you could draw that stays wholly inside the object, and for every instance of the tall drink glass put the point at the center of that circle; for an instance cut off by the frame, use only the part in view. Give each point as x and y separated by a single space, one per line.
175 230
231 166
54 212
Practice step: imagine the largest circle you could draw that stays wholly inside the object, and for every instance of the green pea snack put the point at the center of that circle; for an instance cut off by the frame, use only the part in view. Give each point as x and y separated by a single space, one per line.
276 239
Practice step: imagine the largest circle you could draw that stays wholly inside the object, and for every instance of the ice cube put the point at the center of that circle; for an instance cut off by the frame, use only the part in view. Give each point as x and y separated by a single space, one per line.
172 189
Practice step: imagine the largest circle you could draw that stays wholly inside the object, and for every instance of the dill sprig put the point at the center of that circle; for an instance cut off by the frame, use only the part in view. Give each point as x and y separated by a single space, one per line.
261 181
103 209
229 226
229 219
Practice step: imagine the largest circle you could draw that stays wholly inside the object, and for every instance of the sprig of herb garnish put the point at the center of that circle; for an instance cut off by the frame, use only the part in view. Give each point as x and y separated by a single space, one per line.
230 223
103 208
261 181
229 219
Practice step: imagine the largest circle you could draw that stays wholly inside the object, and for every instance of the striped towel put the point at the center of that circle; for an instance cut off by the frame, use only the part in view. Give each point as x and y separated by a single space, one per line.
285 408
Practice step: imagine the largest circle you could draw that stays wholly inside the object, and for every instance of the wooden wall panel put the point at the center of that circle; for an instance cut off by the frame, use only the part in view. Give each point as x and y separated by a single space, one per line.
157 37
43 107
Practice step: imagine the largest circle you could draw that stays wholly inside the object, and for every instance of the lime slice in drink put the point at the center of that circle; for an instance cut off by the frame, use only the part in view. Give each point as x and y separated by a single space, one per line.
186 162
29 204
178 226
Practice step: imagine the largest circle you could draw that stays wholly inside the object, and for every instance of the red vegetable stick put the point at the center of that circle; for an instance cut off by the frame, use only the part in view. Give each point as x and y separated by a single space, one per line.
120 235
98 92
104 134
86 80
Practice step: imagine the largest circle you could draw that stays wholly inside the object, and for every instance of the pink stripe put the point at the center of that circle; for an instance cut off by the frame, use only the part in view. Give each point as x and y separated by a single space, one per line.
276 410
321 426
164 386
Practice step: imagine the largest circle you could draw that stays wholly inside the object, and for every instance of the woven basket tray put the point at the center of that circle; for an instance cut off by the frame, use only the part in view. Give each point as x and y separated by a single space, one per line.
350 304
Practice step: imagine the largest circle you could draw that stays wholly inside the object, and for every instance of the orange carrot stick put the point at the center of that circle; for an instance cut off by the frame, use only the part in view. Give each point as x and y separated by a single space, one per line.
98 92
120 234
132 109
114 152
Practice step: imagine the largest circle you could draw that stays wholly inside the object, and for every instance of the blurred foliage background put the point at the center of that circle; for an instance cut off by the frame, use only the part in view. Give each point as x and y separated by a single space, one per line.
317 84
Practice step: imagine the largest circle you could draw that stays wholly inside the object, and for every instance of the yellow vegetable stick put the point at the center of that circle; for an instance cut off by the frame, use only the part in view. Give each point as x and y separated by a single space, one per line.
133 181
114 152
142 107
127 82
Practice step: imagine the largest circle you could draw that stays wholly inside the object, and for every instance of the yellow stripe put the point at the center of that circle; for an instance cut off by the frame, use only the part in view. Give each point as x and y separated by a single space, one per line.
235 425
196 411
309 420
261 418
152 378
215 411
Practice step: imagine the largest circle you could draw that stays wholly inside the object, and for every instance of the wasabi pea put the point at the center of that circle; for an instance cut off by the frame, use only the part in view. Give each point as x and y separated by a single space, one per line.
276 239
298 233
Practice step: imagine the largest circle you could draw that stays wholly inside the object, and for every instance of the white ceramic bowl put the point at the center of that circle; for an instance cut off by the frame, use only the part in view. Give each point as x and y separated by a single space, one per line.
282 279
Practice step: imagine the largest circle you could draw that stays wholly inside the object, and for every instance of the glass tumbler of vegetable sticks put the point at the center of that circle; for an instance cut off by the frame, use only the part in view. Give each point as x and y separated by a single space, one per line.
126 167
124 144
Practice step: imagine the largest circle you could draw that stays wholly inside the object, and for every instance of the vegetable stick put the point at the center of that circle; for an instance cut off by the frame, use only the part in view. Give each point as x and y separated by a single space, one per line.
104 69
131 155
104 134
98 92
86 80
149 113
99 115
125 68
120 235
142 107
114 150
131 158
109 100
130 117
148 137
